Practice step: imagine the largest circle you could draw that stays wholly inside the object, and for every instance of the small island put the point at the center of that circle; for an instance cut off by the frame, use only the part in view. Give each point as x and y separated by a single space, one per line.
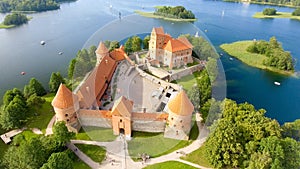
13 20
262 54
177 13
272 13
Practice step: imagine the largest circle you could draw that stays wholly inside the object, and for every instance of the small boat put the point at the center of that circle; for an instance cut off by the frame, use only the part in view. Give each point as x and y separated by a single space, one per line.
277 83
205 30
43 42
230 58
60 53
221 54
197 34
23 73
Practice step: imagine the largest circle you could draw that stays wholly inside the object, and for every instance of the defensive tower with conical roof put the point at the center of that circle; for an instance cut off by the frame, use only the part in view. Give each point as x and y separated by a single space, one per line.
180 110
101 52
66 105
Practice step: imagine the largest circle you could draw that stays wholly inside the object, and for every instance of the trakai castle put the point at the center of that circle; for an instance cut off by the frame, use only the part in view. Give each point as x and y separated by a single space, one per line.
119 94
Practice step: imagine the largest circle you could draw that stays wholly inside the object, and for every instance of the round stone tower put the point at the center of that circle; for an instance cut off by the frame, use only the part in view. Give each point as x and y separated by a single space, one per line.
65 105
101 52
180 110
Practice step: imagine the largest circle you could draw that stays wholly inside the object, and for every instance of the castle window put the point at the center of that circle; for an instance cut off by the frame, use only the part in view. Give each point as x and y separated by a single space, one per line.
180 121
120 120
174 125
66 115
68 120
182 126
172 118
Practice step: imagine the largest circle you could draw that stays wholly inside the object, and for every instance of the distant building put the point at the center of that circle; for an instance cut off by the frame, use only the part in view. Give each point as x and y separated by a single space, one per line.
168 51
81 108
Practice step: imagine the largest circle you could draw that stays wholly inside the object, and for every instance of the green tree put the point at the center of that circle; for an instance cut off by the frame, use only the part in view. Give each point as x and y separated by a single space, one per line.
59 160
291 150
15 19
269 11
114 45
55 80
71 68
13 115
212 68
146 42
34 86
210 111
236 136
10 95
194 96
61 134
136 44
35 101
205 87
30 154
128 45
296 12
292 130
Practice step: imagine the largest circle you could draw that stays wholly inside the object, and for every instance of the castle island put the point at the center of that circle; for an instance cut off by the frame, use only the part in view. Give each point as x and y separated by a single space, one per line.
121 94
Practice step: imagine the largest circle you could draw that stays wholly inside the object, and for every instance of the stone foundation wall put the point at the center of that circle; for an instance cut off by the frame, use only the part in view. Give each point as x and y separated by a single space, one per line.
148 126
97 122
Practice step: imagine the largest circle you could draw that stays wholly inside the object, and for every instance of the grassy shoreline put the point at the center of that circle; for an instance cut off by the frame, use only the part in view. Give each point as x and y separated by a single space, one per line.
238 50
151 15
260 15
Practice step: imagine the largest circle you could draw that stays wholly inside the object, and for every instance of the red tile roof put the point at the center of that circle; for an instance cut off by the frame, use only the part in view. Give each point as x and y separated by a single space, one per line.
95 85
102 50
181 104
122 107
159 30
175 45
64 98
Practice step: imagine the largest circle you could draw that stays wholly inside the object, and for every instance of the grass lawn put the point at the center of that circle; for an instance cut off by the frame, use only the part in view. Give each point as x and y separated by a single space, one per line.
78 164
189 81
95 134
239 51
40 117
170 164
278 15
198 157
151 15
96 153
155 144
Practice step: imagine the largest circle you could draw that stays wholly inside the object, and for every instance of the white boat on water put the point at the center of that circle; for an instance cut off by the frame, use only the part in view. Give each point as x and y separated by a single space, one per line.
43 42
277 83
230 58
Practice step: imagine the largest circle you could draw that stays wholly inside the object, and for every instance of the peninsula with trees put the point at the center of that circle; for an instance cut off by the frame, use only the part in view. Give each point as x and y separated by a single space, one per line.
30 5
273 13
13 20
262 54
177 13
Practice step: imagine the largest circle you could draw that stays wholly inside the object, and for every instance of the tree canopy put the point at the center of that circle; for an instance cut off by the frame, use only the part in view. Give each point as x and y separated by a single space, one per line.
15 19
178 12
14 109
34 87
58 160
276 56
244 138
234 137
202 49
269 11
296 12
146 42
29 5
55 80
292 130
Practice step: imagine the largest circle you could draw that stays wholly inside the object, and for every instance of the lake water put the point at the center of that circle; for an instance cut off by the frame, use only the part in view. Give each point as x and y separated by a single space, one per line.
68 29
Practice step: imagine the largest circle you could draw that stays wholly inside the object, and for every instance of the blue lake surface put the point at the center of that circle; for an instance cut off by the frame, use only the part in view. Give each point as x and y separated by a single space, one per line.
69 28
